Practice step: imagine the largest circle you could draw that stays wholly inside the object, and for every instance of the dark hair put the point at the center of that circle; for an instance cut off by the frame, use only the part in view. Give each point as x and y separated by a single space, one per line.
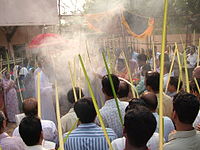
193 86
133 103
107 86
2 118
153 80
174 82
30 130
123 89
30 107
145 69
186 106
85 110
150 100
142 57
139 125
70 94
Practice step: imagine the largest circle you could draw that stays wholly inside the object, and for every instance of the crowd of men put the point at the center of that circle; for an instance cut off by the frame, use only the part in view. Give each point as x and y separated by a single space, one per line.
139 127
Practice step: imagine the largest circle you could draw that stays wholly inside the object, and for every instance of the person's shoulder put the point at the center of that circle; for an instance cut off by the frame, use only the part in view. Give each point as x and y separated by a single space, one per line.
167 119
14 142
109 130
16 132
123 103
198 134
170 146
119 140
155 137
119 144
167 97
48 123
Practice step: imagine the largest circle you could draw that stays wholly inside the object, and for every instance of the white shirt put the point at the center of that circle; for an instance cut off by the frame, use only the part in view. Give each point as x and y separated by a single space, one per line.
197 120
49 131
68 120
166 76
152 144
19 118
168 125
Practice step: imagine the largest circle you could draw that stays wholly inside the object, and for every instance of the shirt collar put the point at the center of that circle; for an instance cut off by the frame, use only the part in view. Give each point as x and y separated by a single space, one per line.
182 134
155 114
87 125
71 110
36 147
111 102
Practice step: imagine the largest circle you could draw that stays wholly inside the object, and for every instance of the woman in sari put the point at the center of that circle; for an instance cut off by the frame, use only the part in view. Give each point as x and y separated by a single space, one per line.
10 95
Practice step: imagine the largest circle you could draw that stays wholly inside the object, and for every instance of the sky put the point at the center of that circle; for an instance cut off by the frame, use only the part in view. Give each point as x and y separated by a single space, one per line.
67 6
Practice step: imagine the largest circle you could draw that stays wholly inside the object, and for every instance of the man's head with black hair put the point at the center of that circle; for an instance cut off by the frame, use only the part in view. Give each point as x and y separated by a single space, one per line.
120 64
150 100
185 109
134 103
30 107
141 59
106 86
123 89
71 97
2 122
139 126
145 69
152 81
30 130
85 111
173 85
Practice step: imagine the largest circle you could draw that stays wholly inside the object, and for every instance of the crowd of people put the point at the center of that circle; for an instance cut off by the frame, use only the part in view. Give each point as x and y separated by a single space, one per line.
139 128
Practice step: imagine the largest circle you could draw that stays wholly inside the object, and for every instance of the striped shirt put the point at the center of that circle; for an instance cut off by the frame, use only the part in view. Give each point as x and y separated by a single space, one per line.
88 137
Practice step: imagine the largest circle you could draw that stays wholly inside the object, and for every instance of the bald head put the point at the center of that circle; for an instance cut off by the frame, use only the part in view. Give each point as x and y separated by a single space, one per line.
30 107
150 100
196 72
123 89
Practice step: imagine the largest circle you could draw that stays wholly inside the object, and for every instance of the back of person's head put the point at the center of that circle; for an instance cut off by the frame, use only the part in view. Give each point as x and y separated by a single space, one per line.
107 86
30 107
85 111
174 82
152 80
145 69
139 126
142 57
2 119
194 88
134 103
196 72
150 100
71 97
186 107
123 89
30 130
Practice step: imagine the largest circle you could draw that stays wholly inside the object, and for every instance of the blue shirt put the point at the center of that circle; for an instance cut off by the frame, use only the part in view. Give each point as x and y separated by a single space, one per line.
88 137
168 125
